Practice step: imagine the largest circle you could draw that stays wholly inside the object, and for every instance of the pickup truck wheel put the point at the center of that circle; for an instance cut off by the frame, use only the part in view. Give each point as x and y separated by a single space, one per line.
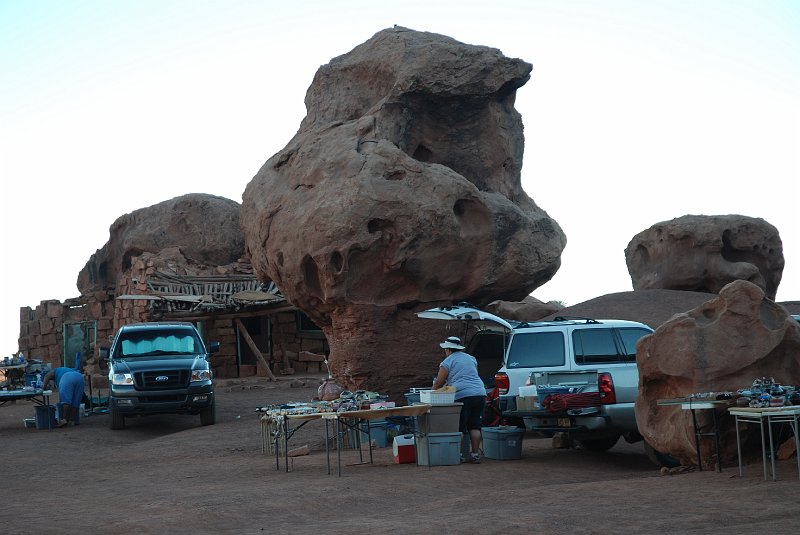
117 419
660 459
599 444
208 416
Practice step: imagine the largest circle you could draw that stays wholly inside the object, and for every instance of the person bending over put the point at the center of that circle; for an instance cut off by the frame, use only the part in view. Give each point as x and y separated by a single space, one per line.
70 392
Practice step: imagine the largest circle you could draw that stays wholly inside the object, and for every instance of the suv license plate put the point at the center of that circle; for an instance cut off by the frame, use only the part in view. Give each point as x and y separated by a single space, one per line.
564 422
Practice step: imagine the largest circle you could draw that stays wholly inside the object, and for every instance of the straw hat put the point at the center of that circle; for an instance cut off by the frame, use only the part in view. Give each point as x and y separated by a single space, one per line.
452 342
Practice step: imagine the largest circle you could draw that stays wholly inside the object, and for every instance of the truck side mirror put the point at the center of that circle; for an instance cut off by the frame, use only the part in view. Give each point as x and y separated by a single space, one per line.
103 353
213 347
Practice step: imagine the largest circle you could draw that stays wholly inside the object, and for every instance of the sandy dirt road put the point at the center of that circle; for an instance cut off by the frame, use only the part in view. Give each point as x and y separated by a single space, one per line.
167 474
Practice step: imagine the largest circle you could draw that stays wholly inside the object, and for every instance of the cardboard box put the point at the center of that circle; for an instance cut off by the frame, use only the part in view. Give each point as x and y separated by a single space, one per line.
527 403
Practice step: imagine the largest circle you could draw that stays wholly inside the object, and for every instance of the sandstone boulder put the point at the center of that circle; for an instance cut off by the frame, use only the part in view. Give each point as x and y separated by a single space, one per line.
199 228
400 191
720 346
529 309
704 253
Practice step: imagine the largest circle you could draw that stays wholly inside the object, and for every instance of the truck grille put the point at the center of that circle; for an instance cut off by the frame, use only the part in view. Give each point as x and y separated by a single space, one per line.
162 379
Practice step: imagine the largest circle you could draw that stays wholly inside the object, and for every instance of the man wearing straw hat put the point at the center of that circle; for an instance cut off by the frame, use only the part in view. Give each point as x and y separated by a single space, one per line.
460 370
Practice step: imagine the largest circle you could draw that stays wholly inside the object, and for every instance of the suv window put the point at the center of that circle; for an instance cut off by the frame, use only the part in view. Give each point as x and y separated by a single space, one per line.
599 346
629 338
536 350
595 346
149 343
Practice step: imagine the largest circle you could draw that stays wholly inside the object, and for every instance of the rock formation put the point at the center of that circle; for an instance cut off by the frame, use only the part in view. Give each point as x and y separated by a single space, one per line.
198 228
401 190
529 309
704 253
720 346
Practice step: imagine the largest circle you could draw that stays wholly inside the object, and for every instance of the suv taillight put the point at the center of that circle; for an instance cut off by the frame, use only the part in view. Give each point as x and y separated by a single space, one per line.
605 385
502 383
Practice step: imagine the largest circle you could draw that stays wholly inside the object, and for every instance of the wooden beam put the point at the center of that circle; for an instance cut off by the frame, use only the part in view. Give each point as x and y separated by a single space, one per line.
259 356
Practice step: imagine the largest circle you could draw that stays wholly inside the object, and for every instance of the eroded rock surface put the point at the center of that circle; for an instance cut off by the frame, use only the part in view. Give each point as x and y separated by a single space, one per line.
704 253
529 309
722 345
197 228
400 191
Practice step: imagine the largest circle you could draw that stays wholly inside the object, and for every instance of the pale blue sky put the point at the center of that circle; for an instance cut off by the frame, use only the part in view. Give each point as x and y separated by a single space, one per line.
636 112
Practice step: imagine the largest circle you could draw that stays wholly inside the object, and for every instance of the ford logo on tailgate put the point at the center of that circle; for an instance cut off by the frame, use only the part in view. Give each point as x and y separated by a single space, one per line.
162 378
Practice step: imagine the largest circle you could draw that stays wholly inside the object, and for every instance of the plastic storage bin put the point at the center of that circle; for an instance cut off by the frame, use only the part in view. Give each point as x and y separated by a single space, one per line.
377 430
445 449
441 419
43 412
412 397
503 442
437 398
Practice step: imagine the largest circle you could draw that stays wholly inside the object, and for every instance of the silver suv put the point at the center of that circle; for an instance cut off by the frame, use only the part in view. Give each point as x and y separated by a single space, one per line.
521 348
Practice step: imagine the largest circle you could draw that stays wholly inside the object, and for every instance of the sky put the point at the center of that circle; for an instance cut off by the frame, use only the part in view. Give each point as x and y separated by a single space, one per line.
636 112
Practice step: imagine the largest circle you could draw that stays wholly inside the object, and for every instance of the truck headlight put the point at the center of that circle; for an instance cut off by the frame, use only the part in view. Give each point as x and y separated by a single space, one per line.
201 375
122 379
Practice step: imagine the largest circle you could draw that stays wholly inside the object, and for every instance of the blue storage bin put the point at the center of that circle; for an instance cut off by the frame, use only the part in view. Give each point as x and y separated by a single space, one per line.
445 449
503 442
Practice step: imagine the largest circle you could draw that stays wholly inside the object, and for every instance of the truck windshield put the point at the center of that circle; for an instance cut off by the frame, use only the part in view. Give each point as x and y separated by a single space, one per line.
149 344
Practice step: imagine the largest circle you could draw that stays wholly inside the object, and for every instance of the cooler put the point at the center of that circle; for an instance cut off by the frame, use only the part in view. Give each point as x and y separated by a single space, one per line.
403 449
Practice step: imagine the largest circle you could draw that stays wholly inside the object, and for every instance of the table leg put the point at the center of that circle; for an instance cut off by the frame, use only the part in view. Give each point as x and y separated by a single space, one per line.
738 446
716 440
327 448
763 446
369 440
338 447
796 443
286 443
771 446
697 441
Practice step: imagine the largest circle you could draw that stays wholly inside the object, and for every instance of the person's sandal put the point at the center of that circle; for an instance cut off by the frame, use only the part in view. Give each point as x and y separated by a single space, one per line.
61 423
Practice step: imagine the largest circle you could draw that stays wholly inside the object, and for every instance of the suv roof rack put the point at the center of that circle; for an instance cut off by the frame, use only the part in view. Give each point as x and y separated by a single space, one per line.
575 318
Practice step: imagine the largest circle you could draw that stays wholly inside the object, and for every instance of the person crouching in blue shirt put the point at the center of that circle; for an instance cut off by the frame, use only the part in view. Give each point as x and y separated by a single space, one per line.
70 392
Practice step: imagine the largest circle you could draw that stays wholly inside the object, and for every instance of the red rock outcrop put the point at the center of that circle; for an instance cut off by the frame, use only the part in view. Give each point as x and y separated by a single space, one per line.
529 309
401 190
704 253
720 346
198 228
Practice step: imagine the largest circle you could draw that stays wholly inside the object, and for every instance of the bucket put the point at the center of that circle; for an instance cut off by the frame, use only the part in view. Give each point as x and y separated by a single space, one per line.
43 412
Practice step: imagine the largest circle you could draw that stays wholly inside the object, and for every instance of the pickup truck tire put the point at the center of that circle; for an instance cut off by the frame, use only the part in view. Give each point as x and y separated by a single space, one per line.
599 444
660 459
117 419
208 416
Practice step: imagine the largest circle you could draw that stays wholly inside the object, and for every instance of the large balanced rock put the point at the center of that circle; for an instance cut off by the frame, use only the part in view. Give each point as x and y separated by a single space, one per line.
704 253
720 346
401 190
204 228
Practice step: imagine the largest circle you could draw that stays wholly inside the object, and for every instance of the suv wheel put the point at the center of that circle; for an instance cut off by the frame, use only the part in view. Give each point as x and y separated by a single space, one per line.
599 444
117 419
208 416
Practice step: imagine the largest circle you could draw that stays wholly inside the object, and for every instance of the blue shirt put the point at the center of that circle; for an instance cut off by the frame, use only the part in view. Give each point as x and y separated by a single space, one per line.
58 373
462 373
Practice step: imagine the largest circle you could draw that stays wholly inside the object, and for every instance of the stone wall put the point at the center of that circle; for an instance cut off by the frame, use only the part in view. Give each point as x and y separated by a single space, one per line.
42 337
